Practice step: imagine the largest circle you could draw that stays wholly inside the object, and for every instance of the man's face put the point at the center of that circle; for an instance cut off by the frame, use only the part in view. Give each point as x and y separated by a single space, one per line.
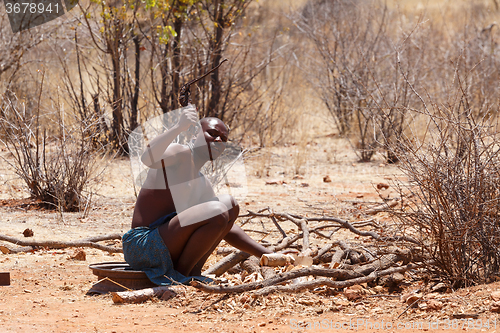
214 133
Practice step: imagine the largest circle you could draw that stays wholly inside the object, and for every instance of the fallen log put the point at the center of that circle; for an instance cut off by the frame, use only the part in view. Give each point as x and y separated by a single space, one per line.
337 258
338 274
226 263
251 265
89 242
330 283
142 295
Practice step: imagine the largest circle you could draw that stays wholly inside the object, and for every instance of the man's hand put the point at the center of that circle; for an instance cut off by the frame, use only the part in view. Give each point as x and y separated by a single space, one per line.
189 116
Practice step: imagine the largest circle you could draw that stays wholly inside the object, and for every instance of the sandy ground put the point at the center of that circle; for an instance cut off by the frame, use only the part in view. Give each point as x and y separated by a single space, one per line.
47 291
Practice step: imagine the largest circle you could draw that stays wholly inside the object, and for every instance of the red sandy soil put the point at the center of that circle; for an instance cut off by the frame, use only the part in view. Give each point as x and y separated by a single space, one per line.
47 291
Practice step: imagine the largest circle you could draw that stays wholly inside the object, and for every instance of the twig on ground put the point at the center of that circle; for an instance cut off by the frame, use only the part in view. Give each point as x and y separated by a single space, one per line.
89 242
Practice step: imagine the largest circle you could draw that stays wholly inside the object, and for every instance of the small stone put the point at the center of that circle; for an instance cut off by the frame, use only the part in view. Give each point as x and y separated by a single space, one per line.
168 294
79 255
352 294
496 295
382 186
411 298
495 307
391 281
440 287
28 233
433 304
327 179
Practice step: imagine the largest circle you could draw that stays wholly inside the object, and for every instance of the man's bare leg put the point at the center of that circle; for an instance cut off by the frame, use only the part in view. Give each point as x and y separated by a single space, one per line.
233 211
234 235
189 243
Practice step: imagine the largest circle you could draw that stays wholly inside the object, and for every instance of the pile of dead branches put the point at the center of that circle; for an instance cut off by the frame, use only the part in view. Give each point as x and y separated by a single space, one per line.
336 264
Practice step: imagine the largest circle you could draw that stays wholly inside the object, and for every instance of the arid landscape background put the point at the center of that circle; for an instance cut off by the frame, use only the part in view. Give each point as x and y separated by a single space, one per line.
384 113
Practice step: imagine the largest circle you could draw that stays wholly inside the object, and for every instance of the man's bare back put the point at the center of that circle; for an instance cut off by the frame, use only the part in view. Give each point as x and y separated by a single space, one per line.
155 198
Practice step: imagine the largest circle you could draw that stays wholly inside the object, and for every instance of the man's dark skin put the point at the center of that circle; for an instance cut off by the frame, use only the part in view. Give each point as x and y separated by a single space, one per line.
203 219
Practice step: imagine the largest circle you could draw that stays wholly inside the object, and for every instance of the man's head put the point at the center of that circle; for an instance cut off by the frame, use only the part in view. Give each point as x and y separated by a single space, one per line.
214 133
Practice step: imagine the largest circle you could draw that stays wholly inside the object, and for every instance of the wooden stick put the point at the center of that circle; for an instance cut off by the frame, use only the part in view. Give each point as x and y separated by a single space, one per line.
283 233
330 283
338 274
60 244
337 258
323 250
382 207
344 278
139 296
226 263
251 265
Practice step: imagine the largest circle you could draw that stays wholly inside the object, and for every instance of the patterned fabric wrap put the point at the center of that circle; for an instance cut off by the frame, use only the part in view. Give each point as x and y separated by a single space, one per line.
144 250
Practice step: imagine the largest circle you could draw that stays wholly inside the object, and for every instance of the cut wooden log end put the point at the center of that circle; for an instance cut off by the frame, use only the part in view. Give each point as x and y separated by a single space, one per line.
276 259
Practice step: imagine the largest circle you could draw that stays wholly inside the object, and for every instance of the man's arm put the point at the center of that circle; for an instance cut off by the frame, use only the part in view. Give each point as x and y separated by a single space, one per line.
156 150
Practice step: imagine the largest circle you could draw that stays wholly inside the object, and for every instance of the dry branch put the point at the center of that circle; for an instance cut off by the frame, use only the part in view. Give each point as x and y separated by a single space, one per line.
382 207
337 258
330 283
323 250
302 222
89 242
251 265
339 274
297 219
344 278
139 296
226 263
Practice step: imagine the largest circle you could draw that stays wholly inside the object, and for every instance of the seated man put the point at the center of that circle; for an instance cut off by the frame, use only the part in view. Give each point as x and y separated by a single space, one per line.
178 221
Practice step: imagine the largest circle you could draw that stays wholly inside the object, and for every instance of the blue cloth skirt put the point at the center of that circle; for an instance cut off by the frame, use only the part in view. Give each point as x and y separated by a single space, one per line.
144 250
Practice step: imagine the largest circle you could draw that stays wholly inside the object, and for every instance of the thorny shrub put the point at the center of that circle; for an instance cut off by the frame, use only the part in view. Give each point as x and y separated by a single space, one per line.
452 194
55 157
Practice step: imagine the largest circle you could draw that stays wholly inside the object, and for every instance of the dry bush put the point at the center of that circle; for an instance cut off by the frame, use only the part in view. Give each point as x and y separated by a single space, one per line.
453 192
130 59
57 169
366 73
363 73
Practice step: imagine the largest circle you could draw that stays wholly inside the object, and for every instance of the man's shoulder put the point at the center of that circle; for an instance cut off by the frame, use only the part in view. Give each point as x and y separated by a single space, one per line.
178 148
179 151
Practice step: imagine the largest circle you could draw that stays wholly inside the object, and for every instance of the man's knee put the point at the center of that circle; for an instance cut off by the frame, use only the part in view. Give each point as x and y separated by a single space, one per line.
231 204
219 214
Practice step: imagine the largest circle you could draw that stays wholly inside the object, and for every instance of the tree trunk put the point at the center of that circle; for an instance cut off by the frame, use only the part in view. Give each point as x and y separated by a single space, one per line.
176 65
135 97
213 109
116 105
